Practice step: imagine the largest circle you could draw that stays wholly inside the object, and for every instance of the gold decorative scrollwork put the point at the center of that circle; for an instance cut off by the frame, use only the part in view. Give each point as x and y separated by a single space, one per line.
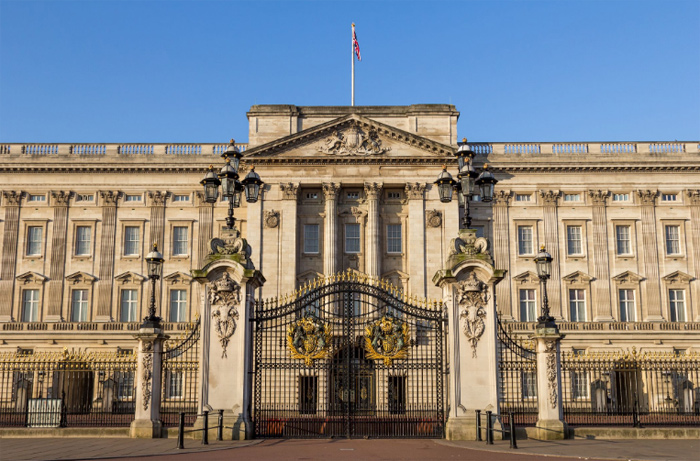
309 339
387 339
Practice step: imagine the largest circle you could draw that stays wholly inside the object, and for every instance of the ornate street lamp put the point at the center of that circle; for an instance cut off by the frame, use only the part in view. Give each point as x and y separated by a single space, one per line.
231 188
543 260
469 183
154 263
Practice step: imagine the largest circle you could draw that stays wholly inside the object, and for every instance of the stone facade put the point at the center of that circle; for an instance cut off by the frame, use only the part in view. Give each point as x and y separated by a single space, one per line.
351 187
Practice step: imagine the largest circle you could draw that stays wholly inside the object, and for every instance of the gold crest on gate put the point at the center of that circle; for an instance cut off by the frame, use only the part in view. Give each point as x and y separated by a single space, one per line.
387 339
309 339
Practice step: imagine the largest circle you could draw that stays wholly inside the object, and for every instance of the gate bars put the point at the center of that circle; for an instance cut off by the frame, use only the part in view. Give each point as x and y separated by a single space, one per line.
348 356
181 378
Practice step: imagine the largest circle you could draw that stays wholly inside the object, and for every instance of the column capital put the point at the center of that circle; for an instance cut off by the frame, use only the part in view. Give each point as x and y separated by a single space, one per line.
330 190
157 197
549 197
648 197
414 191
12 198
60 197
598 197
501 198
373 190
289 190
109 198
694 196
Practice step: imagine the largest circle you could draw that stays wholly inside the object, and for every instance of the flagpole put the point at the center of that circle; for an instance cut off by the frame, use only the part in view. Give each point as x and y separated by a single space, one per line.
352 56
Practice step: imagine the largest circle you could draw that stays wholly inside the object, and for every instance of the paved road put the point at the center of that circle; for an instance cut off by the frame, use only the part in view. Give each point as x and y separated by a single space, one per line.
342 449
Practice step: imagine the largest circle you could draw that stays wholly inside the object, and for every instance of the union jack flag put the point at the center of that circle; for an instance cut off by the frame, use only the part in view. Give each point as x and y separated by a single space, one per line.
355 45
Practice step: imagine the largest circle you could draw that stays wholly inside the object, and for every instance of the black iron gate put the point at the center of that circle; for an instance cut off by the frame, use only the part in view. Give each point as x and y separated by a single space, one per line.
349 356
181 377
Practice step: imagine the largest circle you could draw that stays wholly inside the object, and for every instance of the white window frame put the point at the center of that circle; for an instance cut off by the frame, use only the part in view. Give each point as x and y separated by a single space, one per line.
674 302
127 245
30 305
522 249
577 305
573 197
353 238
87 251
572 251
621 197
131 304
175 384
82 305
308 239
528 380
130 198
33 198
173 242
394 233
181 198
177 305
523 197
678 240
627 304
618 250
669 197
580 386
29 249
527 302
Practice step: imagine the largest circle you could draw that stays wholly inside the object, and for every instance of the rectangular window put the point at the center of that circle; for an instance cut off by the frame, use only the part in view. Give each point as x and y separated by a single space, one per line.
34 234
308 395
677 305
83 240
628 311
179 241
30 305
669 197
572 197
573 240
353 195
528 312
524 240
393 238
621 197
85 198
132 198
125 384
624 245
79 306
577 304
311 238
36 198
131 241
393 195
312 195
175 384
128 306
352 238
673 240
181 198
579 384
529 382
523 197
178 305
396 395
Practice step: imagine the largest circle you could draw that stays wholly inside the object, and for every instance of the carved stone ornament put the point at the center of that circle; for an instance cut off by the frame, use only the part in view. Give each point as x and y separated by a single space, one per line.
11 197
271 219
414 191
647 197
549 197
353 141
472 298
330 190
109 198
598 197
224 298
157 197
289 190
230 244
551 351
60 198
373 190
309 339
433 218
469 244
694 196
387 339
358 213
147 374
501 198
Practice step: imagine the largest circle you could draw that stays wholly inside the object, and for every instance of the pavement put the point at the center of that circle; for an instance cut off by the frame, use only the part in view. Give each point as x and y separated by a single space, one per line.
35 449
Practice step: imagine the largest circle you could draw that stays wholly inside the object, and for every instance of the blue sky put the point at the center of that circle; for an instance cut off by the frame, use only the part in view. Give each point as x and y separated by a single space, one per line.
187 71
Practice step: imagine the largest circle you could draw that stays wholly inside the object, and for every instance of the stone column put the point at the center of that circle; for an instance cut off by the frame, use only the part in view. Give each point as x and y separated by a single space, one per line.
206 227
11 201
59 248
602 301
551 241
415 247
550 415
501 251
157 219
106 265
372 234
650 253
694 197
149 373
288 238
330 229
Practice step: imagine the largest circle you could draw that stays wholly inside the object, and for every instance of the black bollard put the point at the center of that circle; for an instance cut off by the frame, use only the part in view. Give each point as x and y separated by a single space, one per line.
181 432
478 425
489 428
205 436
220 429
511 423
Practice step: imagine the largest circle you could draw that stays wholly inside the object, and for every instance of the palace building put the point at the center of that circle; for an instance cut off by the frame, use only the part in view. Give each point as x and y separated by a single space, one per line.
350 191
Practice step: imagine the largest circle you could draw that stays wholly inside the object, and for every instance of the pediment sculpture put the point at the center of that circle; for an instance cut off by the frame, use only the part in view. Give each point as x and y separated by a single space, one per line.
473 297
224 298
353 141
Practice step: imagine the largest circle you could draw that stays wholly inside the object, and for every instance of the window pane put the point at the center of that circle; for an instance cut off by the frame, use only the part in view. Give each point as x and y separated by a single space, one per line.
178 305
311 238
175 384
623 240
393 232
128 306
627 308
677 305
352 238
524 240
527 306
34 240
529 381
179 240
30 305
577 305
79 306
573 239
131 240
83 236
673 242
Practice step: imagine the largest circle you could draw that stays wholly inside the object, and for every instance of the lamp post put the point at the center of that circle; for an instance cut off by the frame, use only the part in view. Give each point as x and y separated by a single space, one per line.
469 183
543 260
231 187
154 261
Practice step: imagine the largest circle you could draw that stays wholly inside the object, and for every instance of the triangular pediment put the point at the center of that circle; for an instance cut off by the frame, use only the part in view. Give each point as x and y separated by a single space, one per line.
527 277
129 278
31 277
577 277
628 277
80 278
177 278
350 137
677 277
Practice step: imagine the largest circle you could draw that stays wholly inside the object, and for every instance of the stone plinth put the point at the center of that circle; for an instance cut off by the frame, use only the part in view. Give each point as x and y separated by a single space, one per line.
550 416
